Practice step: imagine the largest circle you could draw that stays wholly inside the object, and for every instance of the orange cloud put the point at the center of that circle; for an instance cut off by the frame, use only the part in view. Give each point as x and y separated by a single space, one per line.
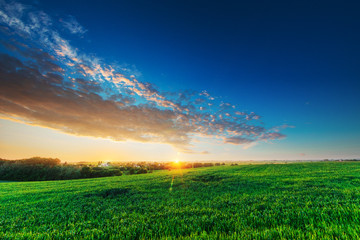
35 98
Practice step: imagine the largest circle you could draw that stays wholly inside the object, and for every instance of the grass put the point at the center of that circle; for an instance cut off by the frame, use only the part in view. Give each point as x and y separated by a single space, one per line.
288 201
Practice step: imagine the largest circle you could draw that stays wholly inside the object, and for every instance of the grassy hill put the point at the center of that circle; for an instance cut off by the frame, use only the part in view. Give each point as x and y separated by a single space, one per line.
302 200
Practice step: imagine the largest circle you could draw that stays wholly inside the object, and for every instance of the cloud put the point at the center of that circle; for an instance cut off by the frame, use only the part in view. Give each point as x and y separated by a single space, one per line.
37 57
190 151
238 140
46 81
10 14
27 94
73 26
272 136
250 145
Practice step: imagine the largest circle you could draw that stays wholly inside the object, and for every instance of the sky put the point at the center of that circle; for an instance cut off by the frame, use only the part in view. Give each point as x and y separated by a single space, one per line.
186 80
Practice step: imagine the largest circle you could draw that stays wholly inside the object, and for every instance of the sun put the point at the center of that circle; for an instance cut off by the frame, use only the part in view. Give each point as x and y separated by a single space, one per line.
176 164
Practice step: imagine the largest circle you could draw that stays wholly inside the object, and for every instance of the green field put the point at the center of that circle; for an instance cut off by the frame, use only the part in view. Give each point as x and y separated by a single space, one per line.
275 201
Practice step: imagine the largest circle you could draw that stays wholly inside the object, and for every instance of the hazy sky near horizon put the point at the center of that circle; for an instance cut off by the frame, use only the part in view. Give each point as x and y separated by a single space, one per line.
187 80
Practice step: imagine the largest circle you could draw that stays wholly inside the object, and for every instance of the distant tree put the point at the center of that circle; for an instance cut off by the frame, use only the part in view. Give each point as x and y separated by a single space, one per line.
208 164
188 165
86 172
116 172
40 160
197 165
141 171
132 171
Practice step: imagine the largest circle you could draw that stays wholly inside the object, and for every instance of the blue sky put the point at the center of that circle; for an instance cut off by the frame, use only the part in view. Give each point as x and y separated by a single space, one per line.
295 64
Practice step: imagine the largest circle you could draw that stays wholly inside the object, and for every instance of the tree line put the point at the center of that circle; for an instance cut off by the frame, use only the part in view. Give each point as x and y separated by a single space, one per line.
45 169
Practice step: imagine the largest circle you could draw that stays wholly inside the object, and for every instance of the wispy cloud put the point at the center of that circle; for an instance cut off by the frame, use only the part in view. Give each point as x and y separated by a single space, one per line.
72 25
47 81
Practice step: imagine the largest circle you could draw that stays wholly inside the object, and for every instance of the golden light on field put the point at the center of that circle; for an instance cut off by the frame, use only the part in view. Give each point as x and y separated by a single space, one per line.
176 163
